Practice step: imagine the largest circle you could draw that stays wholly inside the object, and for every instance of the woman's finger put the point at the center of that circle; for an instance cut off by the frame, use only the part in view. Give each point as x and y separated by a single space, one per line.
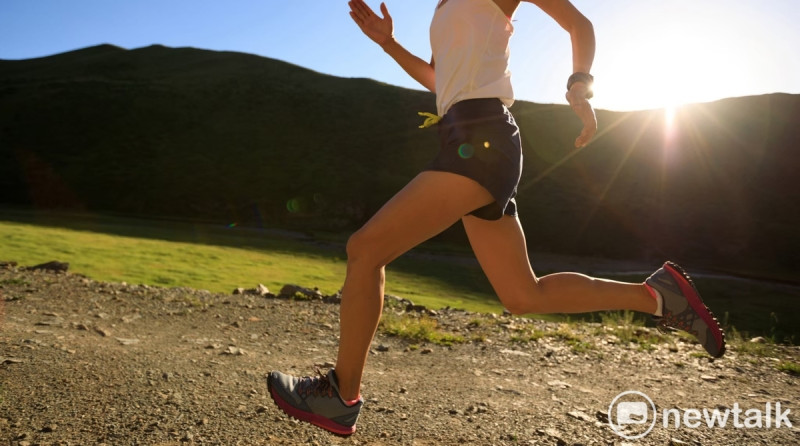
362 9
356 19
361 13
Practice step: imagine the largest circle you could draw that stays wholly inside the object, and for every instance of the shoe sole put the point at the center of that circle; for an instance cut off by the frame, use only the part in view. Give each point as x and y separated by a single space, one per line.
308 417
682 278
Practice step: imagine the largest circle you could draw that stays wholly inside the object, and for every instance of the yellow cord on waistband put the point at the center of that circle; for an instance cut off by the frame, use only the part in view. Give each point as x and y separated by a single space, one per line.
430 119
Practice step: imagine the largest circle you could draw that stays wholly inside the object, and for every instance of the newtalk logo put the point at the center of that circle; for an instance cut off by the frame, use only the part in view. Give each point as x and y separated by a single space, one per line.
633 415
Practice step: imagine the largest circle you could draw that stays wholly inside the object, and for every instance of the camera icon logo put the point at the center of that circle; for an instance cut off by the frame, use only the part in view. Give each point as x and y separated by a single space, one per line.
632 415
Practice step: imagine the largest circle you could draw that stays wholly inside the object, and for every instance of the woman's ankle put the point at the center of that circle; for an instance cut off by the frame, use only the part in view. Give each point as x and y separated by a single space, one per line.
348 391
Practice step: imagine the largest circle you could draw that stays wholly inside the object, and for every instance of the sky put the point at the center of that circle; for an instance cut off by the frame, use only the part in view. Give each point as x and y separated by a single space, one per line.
650 54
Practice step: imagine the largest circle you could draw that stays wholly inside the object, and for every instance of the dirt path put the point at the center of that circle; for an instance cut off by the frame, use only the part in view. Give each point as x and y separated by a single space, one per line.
84 362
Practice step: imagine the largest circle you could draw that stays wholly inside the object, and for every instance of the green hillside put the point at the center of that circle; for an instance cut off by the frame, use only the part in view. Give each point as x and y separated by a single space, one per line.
238 138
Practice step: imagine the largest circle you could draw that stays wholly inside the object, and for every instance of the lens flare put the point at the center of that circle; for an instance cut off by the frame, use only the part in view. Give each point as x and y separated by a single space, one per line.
486 144
466 150
293 205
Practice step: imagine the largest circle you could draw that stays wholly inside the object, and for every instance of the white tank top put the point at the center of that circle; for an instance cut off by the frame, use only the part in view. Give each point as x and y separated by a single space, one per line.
469 39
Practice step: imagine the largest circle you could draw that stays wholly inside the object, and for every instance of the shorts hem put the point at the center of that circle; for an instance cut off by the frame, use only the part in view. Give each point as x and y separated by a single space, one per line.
491 211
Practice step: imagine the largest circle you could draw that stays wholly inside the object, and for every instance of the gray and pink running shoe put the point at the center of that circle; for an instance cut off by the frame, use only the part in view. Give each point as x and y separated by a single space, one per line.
316 400
684 309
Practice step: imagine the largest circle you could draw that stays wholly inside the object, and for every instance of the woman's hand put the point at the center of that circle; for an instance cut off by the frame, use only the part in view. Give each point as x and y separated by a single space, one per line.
379 30
576 97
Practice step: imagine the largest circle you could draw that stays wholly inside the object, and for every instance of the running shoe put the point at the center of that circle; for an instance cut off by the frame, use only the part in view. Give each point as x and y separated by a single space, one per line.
683 309
316 400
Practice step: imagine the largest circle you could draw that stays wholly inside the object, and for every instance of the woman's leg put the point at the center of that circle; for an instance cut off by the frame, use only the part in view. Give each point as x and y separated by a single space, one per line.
501 251
429 204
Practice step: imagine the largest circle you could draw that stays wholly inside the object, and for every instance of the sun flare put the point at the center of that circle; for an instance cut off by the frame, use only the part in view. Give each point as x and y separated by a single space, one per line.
669 117
667 63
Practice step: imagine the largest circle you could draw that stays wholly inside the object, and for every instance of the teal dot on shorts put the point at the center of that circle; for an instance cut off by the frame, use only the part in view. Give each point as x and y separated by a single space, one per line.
466 150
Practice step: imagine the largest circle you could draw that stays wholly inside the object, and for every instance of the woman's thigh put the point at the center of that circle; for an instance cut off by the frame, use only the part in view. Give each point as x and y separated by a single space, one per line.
500 248
426 206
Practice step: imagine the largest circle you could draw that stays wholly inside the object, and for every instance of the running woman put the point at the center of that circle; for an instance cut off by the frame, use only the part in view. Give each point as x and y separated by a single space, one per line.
474 178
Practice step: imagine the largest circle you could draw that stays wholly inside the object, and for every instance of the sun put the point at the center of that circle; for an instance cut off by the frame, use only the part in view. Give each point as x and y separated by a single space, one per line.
661 62
669 80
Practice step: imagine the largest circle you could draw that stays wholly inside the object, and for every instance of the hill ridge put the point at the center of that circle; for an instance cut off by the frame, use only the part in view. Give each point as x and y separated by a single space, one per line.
234 137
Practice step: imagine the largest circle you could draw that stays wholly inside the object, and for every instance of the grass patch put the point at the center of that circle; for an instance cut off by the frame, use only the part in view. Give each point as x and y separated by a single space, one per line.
581 346
629 327
789 367
220 259
564 333
531 335
417 329
742 344
166 263
575 341
14 282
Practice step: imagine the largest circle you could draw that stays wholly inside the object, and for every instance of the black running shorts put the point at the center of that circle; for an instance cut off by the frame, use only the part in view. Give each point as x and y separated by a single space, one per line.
479 139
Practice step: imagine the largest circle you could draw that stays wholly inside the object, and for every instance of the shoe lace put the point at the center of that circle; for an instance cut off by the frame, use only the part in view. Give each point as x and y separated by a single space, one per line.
318 385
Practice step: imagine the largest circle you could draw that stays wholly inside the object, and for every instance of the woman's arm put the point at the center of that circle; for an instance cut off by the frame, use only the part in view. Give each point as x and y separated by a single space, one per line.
381 31
417 68
581 33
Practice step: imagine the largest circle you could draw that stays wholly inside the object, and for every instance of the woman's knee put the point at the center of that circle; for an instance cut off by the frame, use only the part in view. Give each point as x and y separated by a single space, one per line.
361 249
513 301
524 300
356 245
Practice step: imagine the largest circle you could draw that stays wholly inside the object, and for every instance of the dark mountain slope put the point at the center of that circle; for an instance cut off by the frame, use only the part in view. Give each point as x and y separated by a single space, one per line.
240 138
